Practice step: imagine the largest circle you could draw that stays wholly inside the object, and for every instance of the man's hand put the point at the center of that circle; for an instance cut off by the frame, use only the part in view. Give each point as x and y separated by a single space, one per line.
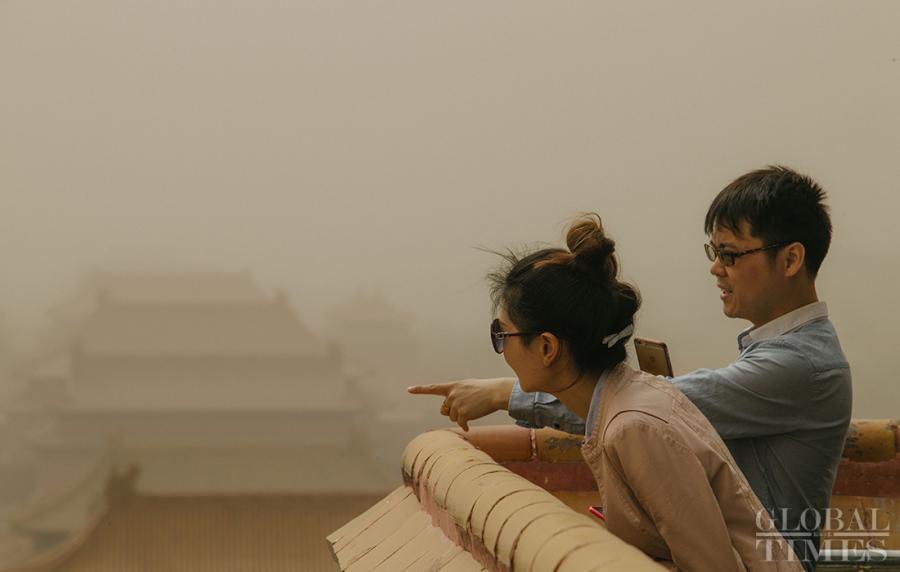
469 399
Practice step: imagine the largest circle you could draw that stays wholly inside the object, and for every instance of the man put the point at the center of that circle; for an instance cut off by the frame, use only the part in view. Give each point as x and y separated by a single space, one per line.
783 407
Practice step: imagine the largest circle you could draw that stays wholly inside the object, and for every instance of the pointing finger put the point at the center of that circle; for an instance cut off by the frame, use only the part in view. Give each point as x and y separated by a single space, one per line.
434 389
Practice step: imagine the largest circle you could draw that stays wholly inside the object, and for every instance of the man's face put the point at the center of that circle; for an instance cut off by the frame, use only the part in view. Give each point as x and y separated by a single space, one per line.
750 288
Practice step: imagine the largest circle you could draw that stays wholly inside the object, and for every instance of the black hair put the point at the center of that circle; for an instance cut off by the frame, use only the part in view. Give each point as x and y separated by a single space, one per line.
575 295
780 205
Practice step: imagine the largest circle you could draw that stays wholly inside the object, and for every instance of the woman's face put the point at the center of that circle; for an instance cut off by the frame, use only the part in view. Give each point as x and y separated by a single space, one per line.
524 358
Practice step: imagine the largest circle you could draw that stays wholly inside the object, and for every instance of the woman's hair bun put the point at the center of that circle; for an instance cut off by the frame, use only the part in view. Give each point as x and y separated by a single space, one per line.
589 244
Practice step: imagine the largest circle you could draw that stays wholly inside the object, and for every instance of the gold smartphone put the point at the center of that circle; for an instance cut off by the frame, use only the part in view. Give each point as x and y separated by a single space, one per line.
653 356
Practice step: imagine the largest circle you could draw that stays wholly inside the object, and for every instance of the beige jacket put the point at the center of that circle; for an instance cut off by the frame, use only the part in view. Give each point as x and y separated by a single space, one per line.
669 485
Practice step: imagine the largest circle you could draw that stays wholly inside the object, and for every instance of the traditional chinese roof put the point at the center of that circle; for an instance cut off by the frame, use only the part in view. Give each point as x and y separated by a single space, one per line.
204 329
480 492
178 286
174 287
182 313
128 287
495 498
462 510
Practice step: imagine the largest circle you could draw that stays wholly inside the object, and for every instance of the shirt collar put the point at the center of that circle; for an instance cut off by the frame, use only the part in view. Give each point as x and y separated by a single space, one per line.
594 409
783 324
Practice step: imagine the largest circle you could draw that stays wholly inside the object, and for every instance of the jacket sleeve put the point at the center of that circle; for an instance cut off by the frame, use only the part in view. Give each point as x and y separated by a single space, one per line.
539 409
673 489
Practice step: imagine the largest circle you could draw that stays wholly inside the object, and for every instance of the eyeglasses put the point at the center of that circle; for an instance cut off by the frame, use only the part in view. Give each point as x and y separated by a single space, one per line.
498 336
728 258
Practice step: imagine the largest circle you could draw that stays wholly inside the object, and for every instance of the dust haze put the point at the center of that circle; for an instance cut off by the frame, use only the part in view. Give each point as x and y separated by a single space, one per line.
342 155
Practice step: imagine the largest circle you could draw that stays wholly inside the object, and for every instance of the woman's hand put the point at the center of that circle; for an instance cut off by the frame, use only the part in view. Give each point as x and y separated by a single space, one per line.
469 399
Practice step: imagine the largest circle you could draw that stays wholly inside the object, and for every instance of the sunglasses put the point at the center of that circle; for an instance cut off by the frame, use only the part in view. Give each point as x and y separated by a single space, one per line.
498 336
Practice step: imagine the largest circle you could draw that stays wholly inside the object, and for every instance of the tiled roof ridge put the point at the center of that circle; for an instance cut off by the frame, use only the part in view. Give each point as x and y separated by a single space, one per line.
493 518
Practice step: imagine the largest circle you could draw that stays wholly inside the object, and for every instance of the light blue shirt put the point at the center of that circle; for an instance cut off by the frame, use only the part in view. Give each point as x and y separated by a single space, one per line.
594 409
782 408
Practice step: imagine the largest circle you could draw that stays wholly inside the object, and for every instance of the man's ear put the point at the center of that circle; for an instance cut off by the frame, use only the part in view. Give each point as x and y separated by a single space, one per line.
550 348
794 259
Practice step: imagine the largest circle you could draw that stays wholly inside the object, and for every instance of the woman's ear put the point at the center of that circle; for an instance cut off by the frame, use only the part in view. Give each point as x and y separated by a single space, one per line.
550 348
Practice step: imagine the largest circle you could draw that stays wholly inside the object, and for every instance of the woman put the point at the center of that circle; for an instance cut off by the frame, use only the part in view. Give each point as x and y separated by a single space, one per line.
669 484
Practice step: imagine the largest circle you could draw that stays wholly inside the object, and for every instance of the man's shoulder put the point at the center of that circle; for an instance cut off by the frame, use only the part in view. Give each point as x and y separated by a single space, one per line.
814 345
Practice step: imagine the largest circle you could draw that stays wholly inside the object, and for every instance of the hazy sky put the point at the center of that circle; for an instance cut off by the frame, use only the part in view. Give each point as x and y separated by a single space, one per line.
328 146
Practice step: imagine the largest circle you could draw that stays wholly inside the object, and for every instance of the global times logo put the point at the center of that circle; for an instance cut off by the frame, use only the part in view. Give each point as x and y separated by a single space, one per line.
847 535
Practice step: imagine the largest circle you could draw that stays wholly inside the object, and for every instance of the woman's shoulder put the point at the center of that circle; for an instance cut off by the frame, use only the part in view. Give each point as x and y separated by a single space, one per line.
641 393
634 400
632 431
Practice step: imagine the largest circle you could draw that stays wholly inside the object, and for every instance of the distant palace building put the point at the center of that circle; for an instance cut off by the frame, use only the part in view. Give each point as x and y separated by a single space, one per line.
190 376
203 385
